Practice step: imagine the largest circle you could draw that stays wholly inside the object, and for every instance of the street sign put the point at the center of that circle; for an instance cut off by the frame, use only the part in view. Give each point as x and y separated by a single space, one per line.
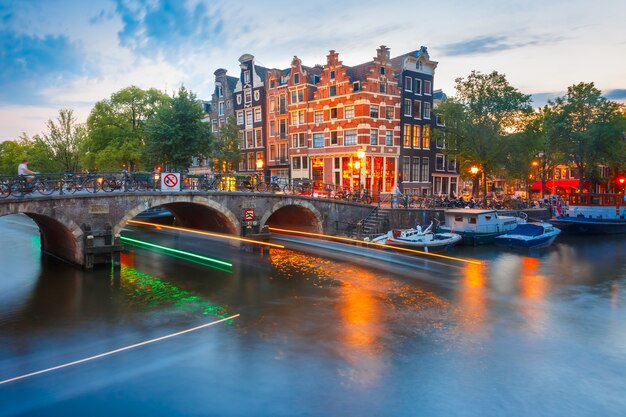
248 215
170 181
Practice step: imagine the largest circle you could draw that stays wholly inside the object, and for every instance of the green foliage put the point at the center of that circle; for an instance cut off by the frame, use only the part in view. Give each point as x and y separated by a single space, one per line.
177 133
116 128
485 112
225 153
65 139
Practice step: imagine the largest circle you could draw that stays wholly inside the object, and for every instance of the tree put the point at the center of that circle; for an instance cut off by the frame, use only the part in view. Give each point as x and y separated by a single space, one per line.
65 138
116 127
485 111
177 133
225 154
590 125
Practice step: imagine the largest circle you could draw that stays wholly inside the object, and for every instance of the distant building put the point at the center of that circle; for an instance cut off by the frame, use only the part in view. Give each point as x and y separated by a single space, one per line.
250 113
277 162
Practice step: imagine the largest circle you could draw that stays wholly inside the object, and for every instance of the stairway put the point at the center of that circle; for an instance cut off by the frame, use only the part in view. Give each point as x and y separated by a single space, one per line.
376 223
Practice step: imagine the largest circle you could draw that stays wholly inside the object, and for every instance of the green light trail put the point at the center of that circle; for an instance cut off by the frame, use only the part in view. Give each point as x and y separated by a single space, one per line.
176 251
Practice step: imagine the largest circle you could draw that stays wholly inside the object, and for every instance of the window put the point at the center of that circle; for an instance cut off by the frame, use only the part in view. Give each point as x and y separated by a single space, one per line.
451 164
389 138
318 140
418 87
248 98
296 164
373 111
407 136
332 91
333 138
258 138
406 168
441 141
214 125
427 87
407 107
272 104
240 117
294 118
425 169
319 116
249 118
282 128
417 107
408 84
415 169
416 136
349 112
332 75
301 117
426 137
257 95
246 77
426 110
333 113
238 98
219 91
249 139
297 96
298 140
316 79
440 162
257 114
349 137
282 104
272 83
356 86
373 136
389 112
296 78
272 129
382 70
382 87
439 120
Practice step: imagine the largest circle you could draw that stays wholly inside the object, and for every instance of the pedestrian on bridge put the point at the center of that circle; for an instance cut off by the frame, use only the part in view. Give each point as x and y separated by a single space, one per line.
23 171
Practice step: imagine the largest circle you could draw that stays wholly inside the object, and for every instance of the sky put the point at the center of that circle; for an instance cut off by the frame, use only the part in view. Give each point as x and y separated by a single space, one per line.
58 54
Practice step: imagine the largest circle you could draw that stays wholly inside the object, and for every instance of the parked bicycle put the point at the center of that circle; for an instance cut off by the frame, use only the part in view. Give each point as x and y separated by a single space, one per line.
205 183
78 182
21 186
273 186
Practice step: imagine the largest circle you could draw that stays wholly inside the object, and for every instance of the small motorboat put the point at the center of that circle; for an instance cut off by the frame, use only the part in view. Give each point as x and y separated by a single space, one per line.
416 238
529 235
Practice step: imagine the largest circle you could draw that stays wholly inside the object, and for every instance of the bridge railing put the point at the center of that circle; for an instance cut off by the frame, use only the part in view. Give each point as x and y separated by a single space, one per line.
124 181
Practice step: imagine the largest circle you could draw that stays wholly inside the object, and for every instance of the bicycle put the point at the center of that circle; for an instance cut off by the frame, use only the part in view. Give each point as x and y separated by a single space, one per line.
21 186
206 184
78 182
245 184
271 186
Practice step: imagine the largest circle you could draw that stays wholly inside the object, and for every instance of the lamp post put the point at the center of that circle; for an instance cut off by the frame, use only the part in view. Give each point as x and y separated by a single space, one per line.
259 167
474 172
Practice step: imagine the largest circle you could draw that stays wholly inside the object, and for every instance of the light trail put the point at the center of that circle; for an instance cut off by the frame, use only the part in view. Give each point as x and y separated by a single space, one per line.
136 345
380 245
201 232
176 251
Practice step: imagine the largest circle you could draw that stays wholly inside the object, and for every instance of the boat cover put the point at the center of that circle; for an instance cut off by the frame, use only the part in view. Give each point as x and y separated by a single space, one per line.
527 229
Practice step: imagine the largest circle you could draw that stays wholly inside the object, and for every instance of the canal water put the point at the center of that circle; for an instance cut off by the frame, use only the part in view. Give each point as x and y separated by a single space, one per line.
524 334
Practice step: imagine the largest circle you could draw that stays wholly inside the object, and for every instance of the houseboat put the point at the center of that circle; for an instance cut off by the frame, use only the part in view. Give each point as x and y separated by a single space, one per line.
589 213
477 226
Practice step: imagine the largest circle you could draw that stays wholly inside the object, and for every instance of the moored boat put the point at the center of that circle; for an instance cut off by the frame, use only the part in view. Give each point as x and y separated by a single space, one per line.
529 236
416 238
595 214
478 226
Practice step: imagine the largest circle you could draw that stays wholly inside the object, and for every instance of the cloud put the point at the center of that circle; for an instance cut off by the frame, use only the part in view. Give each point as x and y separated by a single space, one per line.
169 27
30 63
617 94
495 43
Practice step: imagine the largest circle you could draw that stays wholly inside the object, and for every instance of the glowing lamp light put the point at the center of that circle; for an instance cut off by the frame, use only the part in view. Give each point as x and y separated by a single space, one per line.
259 164
357 165
360 153
621 180
474 170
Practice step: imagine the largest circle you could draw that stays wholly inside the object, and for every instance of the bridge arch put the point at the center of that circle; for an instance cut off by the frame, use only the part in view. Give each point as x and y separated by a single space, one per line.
193 212
294 214
60 236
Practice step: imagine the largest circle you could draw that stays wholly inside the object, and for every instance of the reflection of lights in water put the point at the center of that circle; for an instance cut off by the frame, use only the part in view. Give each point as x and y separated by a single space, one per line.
533 288
472 297
177 253
154 292
367 301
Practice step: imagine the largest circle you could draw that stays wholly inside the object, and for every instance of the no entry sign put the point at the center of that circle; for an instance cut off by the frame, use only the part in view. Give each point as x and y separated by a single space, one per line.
170 181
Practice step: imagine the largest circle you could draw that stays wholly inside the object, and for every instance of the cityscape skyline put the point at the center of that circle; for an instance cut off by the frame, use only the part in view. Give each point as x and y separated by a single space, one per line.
67 54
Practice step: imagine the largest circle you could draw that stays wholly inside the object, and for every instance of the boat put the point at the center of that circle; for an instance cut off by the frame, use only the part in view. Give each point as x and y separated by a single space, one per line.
479 226
529 236
416 238
592 213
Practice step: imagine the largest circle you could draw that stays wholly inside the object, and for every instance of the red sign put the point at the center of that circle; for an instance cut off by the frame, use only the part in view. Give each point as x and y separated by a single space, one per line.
248 215
171 180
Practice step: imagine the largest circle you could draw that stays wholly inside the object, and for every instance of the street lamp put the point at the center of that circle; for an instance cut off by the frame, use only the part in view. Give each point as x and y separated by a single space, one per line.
474 172
259 167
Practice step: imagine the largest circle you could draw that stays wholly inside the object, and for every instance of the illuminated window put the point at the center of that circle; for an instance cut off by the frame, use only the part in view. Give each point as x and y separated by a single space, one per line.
426 137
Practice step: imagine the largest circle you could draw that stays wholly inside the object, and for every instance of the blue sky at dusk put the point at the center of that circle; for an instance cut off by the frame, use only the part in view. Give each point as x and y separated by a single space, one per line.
70 54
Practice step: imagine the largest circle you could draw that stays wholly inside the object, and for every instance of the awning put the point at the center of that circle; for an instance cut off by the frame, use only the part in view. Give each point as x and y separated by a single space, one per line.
558 184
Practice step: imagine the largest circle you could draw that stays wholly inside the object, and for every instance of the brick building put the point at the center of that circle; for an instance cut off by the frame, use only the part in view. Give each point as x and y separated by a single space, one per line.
277 158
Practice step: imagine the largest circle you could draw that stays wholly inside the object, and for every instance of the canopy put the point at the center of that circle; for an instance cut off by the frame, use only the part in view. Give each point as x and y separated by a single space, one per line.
558 184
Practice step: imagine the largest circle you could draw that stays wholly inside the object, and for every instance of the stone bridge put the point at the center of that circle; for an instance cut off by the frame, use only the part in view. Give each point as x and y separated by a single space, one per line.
84 229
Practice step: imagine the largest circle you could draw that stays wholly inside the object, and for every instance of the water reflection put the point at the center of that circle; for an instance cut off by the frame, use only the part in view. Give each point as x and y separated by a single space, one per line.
472 300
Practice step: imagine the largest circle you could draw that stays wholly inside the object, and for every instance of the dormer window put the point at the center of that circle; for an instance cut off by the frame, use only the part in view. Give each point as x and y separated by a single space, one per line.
246 77
382 70
218 90
316 79
296 78
332 75
356 86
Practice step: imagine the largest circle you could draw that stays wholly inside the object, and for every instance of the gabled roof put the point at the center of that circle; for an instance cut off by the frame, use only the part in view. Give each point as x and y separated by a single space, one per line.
359 72
232 82
311 71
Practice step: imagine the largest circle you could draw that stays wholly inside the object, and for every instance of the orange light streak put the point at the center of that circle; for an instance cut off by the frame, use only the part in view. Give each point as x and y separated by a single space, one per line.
380 245
199 232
